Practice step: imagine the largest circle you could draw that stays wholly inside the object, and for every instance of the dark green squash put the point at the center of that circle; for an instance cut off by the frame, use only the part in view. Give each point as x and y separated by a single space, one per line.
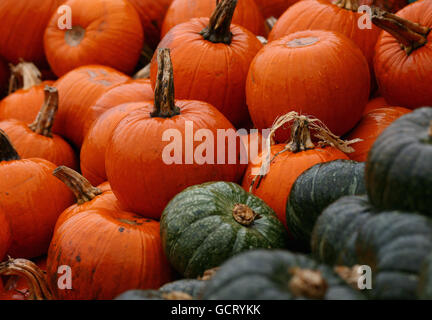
152 295
276 275
424 289
207 224
192 287
317 188
336 230
399 165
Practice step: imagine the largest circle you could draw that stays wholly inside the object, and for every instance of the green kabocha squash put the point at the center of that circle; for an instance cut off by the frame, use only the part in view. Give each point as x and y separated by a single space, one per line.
317 188
276 275
399 165
153 295
395 246
207 224
192 287
336 230
424 289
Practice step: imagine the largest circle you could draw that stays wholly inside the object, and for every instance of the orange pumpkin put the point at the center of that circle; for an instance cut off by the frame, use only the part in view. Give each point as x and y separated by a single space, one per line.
26 93
5 235
328 78
78 92
247 14
252 144
223 54
274 8
370 128
285 164
143 174
32 200
375 103
84 232
403 58
36 140
152 14
106 32
22 27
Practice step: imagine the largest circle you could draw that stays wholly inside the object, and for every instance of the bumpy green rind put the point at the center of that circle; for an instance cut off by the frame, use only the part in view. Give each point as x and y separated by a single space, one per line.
399 165
265 275
192 287
316 189
199 232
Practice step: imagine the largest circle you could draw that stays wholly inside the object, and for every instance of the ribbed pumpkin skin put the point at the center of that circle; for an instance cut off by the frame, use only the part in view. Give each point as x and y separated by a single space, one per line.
399 166
135 258
395 245
264 275
22 28
137 143
5 235
96 142
151 14
318 187
29 144
336 230
192 287
247 14
218 72
303 16
404 80
23 104
337 99
112 36
199 231
370 128
78 92
375 103
274 8
276 186
32 198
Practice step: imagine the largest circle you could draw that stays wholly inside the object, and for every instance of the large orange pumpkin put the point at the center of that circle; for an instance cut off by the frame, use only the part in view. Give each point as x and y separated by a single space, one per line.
247 14
32 200
106 32
26 93
22 27
285 164
145 171
36 140
403 58
370 128
328 78
78 92
274 8
5 235
222 55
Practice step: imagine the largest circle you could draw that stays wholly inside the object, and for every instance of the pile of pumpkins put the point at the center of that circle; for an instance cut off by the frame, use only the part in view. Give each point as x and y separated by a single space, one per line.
90 208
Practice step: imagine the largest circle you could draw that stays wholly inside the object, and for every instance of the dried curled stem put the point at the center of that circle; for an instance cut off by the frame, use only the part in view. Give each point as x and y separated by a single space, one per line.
219 28
24 75
80 186
307 283
32 273
45 118
410 35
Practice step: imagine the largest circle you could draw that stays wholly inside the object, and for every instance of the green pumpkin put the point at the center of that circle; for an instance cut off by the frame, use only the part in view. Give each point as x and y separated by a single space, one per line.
399 166
424 289
336 230
317 188
207 224
276 275
193 287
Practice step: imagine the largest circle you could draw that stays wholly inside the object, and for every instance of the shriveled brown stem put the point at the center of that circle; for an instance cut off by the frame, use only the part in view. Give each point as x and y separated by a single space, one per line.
35 277
307 283
164 105
24 75
410 35
45 119
219 28
270 22
243 214
80 186
352 5
300 135
7 151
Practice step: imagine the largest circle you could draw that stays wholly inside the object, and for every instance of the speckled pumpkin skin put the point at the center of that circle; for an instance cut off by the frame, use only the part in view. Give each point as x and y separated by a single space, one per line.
199 231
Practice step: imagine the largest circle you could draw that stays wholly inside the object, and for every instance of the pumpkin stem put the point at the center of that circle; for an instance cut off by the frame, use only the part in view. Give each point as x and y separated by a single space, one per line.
208 274
7 151
349 275
45 118
31 273
164 106
23 76
300 135
80 186
270 22
243 214
410 35
307 283
352 5
143 73
219 28
176 295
